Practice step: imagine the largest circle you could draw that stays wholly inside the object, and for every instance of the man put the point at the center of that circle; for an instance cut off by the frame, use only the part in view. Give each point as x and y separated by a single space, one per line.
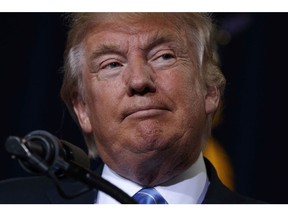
143 88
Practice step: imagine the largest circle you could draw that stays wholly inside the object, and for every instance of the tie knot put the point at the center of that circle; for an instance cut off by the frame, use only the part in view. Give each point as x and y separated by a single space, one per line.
149 196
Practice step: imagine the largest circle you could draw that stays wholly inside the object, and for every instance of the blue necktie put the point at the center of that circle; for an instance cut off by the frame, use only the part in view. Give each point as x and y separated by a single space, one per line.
149 196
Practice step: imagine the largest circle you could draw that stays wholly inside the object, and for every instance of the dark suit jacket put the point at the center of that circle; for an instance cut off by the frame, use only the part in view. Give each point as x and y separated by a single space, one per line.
42 190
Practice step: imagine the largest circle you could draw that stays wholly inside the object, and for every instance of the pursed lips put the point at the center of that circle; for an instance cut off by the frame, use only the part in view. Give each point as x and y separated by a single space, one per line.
145 111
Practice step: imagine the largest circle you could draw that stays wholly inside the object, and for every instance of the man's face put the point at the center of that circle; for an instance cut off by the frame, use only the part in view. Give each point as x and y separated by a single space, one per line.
145 101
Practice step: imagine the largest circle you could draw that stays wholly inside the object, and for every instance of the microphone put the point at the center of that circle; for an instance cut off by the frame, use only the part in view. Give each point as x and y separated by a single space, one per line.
39 152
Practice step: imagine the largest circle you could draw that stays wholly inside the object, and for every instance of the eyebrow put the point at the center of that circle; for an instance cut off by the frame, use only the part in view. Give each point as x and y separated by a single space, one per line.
152 41
104 49
159 39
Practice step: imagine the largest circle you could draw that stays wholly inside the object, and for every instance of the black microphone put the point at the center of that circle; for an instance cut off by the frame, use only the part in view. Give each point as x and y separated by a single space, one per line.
39 152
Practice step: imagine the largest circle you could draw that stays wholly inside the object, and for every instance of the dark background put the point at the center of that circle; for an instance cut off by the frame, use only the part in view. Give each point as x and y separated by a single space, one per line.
253 50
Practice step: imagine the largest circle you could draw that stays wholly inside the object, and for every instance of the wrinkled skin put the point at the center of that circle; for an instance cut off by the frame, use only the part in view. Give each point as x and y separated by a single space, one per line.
145 101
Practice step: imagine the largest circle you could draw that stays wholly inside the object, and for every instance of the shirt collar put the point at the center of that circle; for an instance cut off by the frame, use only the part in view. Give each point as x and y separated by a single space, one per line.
188 188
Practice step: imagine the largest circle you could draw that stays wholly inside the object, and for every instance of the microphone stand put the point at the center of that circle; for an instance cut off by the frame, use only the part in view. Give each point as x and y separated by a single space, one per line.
95 181
33 163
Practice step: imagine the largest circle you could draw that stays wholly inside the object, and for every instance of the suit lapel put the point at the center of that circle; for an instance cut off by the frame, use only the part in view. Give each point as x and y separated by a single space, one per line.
72 187
218 193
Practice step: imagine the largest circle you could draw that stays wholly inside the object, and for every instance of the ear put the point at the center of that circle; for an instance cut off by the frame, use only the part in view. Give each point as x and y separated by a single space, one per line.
212 99
80 108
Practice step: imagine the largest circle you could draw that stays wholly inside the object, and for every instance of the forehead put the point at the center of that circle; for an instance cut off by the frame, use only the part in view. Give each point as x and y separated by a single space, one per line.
146 29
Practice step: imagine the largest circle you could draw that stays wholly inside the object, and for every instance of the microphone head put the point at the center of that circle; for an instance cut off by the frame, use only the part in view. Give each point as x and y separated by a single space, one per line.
39 152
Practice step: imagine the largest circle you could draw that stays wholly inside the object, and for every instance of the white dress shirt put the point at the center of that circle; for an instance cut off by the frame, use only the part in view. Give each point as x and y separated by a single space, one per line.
188 188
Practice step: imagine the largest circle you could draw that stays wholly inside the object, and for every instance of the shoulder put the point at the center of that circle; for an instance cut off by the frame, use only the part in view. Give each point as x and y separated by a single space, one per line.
25 190
43 190
218 193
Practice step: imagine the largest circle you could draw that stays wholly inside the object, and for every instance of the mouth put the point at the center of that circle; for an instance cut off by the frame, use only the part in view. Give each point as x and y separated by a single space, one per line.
142 112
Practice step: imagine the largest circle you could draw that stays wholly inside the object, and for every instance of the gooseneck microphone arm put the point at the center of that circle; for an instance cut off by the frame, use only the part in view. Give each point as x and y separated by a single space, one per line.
40 152
93 180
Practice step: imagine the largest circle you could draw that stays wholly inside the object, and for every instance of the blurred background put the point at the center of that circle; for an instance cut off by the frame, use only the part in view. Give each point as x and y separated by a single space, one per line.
250 131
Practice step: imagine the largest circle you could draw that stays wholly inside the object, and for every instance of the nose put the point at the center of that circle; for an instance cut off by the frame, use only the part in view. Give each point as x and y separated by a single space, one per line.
140 78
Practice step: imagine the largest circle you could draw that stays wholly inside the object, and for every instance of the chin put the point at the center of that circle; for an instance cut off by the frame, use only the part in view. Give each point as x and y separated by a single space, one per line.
151 143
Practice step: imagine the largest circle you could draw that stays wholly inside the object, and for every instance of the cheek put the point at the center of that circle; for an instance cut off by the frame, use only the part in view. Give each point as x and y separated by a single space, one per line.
104 100
188 96
183 88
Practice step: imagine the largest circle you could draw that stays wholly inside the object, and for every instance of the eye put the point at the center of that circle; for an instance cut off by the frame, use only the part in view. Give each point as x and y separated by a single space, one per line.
167 56
111 65
110 68
164 58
